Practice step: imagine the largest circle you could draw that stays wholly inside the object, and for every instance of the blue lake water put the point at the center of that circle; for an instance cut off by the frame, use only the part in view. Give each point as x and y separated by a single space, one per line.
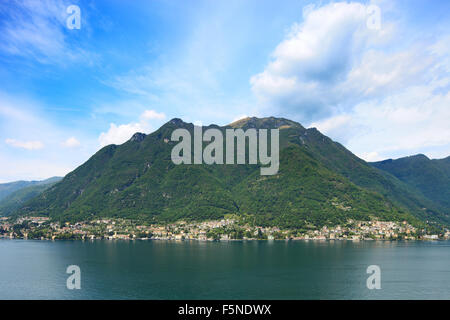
224 270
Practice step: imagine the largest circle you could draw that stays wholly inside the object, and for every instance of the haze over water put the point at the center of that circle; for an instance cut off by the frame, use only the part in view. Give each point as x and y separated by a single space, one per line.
224 270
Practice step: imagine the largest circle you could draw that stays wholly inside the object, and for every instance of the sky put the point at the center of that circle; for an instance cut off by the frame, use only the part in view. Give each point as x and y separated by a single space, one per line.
372 75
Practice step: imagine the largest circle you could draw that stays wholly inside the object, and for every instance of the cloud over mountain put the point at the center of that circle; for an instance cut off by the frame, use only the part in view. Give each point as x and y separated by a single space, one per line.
372 89
118 134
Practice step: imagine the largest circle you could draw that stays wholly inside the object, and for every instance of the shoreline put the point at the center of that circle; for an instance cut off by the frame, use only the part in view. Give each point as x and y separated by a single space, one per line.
231 240
226 229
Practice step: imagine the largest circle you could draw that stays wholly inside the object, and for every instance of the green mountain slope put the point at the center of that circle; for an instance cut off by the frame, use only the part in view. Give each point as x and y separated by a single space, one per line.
429 177
7 188
338 159
319 182
15 200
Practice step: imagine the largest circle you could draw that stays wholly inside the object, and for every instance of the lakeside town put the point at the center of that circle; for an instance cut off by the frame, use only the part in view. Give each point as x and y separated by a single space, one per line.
218 230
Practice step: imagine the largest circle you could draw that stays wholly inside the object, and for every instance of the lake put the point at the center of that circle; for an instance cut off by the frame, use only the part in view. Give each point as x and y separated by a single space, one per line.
224 270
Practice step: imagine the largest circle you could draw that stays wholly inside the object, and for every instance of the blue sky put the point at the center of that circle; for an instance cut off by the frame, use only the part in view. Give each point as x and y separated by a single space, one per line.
381 90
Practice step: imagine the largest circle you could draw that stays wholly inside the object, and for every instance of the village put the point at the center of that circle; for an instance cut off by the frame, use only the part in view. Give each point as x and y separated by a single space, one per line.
218 230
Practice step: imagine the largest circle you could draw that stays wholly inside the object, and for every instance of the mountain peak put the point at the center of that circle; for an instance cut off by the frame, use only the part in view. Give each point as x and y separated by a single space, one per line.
176 122
138 137
419 156
264 123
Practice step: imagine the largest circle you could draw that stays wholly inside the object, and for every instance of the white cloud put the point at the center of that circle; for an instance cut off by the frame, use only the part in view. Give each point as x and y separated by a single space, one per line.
29 145
152 114
333 123
307 67
413 121
118 134
71 142
374 91
370 156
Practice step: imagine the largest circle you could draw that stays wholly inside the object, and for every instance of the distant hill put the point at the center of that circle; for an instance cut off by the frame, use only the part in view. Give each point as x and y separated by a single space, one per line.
429 177
319 182
10 187
15 194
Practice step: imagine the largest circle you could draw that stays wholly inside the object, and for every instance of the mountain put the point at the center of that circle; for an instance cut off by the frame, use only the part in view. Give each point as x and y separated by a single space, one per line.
431 178
338 159
23 192
7 188
319 182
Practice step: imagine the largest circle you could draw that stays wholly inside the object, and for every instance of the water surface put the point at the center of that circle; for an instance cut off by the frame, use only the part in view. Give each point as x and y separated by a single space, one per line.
224 270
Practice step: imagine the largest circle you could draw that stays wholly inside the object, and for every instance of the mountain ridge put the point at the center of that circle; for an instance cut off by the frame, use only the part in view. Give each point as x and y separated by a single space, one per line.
430 177
319 182
9 187
14 200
